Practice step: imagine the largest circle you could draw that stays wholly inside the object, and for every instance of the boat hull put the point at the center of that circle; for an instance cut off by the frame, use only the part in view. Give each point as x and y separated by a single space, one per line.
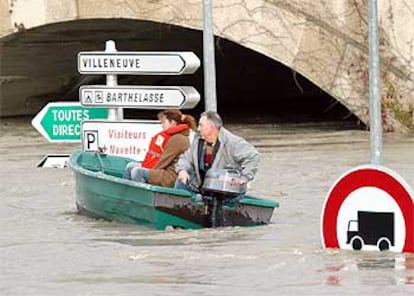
101 192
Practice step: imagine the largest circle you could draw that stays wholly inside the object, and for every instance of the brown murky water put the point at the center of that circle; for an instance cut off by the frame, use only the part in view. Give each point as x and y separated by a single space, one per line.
46 248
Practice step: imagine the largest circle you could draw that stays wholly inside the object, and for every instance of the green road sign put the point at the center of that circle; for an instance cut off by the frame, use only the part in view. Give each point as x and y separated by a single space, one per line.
61 121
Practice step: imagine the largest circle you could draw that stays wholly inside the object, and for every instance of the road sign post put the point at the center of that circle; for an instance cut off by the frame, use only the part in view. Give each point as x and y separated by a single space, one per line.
60 121
210 97
112 80
143 97
113 135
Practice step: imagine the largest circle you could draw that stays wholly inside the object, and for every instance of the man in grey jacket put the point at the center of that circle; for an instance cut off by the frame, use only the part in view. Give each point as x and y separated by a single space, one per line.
215 147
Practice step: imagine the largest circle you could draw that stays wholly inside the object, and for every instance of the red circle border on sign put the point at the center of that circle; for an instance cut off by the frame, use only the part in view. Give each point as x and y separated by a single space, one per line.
366 177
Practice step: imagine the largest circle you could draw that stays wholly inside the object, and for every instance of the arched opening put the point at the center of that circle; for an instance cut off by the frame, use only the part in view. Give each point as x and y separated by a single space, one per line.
250 87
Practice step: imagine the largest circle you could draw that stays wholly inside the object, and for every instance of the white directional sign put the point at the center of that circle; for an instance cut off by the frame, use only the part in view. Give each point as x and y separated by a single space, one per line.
128 138
138 63
143 97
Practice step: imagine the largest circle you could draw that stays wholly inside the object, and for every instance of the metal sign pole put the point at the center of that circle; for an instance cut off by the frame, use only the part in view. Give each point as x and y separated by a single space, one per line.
112 81
210 99
375 119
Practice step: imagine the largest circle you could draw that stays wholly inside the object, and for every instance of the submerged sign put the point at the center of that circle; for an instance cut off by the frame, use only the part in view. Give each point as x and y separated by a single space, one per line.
144 97
54 161
60 121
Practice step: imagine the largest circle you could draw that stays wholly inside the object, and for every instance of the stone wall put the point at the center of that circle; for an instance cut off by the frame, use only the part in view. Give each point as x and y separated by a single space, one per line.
325 41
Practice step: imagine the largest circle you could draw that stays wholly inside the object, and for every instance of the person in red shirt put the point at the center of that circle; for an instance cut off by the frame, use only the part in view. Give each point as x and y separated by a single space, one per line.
157 168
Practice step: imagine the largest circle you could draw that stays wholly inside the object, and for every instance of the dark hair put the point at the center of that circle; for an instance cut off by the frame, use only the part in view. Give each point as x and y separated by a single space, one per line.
178 117
214 117
190 121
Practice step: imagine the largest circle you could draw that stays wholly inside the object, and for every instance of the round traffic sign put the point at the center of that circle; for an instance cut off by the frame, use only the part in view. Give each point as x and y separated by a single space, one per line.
370 208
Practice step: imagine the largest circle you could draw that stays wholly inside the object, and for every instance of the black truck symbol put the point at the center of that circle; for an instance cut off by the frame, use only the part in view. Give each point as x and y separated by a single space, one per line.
371 228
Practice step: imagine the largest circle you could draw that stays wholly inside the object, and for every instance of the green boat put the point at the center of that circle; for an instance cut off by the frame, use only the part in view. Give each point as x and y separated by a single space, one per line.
102 192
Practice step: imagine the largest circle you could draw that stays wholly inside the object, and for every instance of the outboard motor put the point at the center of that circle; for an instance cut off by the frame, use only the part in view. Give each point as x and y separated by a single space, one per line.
224 182
221 185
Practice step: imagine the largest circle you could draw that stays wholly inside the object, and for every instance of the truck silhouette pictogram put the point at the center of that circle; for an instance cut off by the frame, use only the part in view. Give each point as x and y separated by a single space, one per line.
371 228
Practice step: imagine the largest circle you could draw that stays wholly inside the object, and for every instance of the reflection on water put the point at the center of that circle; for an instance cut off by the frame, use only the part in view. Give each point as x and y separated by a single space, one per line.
376 263
76 255
174 237
372 268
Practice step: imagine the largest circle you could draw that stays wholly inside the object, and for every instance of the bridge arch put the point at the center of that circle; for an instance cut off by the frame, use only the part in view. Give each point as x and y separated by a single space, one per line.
259 87
324 42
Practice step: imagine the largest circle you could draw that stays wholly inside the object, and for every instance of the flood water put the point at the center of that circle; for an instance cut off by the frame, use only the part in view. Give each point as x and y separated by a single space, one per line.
47 248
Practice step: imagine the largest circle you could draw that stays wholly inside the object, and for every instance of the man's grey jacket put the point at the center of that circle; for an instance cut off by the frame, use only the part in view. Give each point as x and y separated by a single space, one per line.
234 152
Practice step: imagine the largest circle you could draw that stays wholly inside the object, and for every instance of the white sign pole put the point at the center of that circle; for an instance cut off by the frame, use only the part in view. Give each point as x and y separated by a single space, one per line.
112 81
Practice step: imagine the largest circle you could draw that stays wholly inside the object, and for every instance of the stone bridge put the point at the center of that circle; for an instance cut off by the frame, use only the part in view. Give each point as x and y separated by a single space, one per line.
325 42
